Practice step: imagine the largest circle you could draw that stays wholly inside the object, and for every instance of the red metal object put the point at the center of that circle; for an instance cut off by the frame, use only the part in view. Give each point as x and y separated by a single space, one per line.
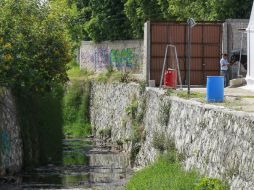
170 78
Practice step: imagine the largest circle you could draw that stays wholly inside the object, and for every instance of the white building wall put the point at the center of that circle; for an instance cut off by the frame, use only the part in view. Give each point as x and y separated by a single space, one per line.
250 52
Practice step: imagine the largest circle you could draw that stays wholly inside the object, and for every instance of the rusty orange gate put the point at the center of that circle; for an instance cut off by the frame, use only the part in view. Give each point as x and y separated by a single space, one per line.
205 46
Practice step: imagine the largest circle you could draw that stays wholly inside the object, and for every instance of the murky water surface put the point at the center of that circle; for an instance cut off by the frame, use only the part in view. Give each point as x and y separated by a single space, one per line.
86 164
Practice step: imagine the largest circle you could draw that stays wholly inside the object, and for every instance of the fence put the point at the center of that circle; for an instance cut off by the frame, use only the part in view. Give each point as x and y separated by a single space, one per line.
205 54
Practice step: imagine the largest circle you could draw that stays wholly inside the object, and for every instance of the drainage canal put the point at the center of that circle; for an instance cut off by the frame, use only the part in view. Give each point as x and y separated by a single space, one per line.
86 164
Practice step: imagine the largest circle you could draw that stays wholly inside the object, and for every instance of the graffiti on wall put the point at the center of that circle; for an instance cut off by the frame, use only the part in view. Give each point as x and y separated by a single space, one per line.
122 58
5 146
98 58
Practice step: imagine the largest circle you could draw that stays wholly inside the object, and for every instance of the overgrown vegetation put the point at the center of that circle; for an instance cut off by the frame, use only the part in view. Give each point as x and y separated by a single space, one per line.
136 111
76 109
163 174
112 75
105 133
41 122
34 46
211 184
166 145
118 20
164 113
167 172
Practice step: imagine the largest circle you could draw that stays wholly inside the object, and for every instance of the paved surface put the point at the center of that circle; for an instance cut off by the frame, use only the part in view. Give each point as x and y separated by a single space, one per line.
241 98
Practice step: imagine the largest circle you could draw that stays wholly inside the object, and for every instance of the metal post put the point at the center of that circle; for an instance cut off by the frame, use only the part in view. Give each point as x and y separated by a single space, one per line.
178 69
191 23
163 68
189 55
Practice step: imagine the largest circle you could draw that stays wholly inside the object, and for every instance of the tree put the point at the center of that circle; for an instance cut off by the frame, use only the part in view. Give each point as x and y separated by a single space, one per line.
238 9
103 20
34 46
211 10
140 11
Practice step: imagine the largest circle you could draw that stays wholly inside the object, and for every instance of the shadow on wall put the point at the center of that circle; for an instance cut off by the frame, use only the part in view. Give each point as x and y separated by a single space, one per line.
41 121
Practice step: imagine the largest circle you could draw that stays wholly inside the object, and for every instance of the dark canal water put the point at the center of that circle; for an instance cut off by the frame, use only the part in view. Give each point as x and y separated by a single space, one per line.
86 164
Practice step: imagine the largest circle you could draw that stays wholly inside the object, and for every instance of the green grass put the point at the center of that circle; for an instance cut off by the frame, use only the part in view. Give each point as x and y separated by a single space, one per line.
184 94
76 73
76 109
163 175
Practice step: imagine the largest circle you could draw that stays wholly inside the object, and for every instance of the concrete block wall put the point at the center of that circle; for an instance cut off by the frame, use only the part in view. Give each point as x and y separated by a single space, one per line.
123 55
10 139
231 38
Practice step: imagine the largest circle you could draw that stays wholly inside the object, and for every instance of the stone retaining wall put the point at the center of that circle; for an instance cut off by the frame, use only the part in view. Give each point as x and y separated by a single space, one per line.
10 140
216 141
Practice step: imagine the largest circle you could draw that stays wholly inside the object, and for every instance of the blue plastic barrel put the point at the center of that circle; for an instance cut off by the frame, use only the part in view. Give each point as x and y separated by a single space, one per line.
215 89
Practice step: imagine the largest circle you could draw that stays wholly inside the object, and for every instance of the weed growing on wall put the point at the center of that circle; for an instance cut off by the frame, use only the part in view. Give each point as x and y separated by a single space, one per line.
142 86
105 133
207 183
167 146
164 113
136 111
159 141
76 109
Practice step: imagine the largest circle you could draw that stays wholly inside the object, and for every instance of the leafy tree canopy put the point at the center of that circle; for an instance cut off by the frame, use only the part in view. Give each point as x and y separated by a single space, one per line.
34 45
103 20
100 20
139 11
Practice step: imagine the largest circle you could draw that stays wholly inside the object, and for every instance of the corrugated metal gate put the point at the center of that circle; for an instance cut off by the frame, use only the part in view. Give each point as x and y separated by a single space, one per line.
205 54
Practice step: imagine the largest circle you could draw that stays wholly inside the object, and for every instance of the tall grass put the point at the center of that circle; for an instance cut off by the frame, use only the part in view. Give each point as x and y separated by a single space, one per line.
76 109
163 175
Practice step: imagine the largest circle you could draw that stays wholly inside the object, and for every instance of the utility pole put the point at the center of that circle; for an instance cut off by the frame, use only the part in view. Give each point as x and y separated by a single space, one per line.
191 23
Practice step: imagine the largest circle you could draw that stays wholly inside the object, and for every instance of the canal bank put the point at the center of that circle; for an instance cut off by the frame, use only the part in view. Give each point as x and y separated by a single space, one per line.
215 140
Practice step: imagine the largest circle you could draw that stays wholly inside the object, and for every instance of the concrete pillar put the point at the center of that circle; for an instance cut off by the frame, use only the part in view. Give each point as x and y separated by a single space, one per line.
147 44
225 38
250 51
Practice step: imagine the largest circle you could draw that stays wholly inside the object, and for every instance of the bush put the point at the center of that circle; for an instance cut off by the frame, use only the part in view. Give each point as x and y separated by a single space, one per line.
211 184
34 46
